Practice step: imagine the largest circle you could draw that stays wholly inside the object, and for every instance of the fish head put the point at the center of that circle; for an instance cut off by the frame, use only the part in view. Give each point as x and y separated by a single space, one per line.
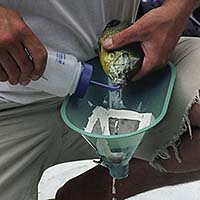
121 64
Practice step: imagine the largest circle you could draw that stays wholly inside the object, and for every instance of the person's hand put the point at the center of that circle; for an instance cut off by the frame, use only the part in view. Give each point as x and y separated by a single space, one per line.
22 55
158 31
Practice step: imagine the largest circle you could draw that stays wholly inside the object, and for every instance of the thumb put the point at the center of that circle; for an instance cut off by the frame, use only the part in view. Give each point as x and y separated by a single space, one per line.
122 38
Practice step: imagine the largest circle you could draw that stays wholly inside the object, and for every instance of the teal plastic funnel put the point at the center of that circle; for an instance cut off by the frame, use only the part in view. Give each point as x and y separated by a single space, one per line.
149 97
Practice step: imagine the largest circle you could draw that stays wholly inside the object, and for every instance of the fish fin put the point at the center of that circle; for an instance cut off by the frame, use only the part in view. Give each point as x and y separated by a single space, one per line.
112 23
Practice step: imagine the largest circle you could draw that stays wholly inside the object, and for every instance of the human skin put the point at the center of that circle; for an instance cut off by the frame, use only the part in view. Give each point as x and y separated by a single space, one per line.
158 31
15 65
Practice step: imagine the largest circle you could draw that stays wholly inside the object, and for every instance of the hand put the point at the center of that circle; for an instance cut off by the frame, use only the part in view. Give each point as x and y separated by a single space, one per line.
158 31
16 42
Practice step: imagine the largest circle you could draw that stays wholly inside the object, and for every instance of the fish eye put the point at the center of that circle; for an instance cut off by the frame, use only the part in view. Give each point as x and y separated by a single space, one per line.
111 55
125 55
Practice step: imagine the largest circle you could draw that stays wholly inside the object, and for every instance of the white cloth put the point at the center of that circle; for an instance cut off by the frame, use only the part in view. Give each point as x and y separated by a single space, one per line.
67 26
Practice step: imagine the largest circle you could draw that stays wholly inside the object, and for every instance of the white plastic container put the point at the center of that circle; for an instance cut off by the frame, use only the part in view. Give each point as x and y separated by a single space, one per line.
64 75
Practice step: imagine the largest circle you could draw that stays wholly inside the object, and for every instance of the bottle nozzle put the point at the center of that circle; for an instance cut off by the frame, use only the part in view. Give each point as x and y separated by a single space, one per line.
108 87
85 81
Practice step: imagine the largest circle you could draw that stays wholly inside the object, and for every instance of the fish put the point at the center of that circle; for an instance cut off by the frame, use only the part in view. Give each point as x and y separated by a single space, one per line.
122 64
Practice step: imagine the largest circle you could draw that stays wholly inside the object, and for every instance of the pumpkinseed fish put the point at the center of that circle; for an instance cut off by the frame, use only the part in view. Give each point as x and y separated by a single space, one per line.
121 64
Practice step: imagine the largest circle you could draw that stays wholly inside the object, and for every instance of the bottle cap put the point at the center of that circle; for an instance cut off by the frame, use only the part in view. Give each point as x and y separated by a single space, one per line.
84 81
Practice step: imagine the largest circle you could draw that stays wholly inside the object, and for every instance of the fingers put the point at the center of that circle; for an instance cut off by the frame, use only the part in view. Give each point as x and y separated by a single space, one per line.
3 75
15 65
24 64
9 67
37 51
150 64
145 69
123 38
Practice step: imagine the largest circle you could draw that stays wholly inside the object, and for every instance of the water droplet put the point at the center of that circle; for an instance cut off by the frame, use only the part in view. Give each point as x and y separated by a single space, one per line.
90 104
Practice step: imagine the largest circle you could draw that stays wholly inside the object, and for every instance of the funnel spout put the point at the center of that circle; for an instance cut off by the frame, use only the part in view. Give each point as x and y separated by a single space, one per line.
116 159
118 171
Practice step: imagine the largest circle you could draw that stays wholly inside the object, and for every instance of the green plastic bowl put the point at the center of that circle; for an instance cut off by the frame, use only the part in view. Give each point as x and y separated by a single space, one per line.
150 95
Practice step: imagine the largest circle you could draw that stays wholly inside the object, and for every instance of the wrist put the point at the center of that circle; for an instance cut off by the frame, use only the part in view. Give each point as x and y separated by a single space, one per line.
178 12
181 8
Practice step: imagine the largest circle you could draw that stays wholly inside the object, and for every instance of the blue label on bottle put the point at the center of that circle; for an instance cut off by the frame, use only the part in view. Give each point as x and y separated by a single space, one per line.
60 58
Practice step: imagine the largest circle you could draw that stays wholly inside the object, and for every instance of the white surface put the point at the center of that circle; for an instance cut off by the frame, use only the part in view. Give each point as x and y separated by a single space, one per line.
54 177
188 191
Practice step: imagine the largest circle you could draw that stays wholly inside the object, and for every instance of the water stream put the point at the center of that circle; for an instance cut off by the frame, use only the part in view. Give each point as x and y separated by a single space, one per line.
114 190
115 99
115 102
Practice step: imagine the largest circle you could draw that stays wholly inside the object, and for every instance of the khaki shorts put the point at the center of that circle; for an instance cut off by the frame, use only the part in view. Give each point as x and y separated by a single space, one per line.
167 133
33 137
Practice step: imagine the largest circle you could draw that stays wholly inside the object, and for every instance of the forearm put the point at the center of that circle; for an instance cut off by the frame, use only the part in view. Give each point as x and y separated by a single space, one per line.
181 8
177 13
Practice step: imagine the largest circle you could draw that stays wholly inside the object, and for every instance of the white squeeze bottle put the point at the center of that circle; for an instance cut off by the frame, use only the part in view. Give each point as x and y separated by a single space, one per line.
64 75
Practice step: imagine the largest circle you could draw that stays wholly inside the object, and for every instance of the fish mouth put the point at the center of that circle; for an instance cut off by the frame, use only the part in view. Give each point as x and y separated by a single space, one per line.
123 63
